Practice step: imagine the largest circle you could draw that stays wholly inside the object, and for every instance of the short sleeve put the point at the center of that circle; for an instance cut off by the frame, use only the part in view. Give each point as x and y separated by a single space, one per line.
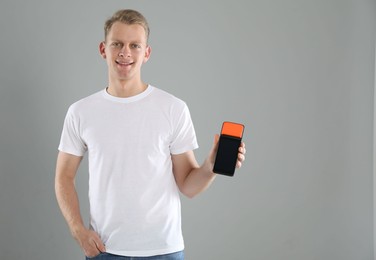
184 136
71 141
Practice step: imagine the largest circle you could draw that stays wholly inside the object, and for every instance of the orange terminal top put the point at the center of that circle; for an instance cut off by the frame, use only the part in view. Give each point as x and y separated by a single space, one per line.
232 129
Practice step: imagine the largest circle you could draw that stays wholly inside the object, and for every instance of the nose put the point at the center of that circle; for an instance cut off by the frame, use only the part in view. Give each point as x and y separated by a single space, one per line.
125 51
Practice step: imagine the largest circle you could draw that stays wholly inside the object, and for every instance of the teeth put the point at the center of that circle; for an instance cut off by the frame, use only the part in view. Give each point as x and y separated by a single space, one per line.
123 63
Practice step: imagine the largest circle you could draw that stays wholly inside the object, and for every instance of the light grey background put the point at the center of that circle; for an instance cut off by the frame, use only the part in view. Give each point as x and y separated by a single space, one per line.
298 73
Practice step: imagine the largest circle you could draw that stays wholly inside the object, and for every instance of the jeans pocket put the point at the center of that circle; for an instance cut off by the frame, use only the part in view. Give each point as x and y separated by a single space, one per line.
95 257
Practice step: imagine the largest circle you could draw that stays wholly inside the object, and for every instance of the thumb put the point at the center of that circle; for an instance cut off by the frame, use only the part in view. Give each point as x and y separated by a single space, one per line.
216 139
214 148
99 244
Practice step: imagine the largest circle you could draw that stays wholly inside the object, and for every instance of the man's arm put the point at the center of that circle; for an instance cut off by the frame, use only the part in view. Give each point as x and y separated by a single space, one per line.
66 169
191 178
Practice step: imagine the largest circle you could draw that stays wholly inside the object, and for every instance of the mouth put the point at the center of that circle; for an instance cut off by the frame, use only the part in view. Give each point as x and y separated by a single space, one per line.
123 63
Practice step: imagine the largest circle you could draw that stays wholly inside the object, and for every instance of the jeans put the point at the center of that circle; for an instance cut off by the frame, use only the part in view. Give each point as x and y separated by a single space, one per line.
107 256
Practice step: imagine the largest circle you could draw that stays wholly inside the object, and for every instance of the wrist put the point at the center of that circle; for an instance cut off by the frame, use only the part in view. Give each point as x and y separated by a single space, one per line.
77 229
207 168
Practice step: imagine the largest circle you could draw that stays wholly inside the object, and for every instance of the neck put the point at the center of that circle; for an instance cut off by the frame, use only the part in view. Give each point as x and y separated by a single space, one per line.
125 89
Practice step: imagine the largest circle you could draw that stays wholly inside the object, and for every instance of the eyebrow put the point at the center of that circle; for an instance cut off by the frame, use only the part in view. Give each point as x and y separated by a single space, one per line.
121 41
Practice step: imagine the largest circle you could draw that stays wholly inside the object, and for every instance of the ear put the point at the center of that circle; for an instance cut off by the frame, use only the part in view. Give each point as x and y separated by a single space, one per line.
102 50
147 53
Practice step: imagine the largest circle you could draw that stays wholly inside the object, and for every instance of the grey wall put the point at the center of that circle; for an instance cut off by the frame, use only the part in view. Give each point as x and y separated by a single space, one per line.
374 163
298 73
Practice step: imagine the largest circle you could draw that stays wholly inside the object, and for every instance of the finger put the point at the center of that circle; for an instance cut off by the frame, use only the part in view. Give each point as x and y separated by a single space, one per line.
240 160
92 252
241 157
99 244
242 150
238 164
93 255
101 247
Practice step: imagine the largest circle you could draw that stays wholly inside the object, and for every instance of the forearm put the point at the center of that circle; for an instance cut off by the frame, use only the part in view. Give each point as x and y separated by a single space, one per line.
193 179
198 180
69 204
66 169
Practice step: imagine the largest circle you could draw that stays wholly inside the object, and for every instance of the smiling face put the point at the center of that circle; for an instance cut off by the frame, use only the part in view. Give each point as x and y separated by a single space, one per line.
125 50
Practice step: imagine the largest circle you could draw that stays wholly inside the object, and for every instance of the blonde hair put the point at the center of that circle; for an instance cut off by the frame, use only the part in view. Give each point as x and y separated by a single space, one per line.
127 16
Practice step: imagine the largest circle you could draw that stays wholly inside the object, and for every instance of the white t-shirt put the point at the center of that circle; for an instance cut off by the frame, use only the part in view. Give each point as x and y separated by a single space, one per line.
134 199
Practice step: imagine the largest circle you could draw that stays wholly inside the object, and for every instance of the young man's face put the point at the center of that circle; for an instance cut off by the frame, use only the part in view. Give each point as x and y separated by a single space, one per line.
125 50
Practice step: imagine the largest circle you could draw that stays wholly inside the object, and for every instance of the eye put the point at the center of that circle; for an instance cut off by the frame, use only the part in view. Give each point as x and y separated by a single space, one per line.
135 46
116 44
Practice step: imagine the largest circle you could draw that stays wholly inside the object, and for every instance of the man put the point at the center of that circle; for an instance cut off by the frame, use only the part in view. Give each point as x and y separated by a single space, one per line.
140 142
